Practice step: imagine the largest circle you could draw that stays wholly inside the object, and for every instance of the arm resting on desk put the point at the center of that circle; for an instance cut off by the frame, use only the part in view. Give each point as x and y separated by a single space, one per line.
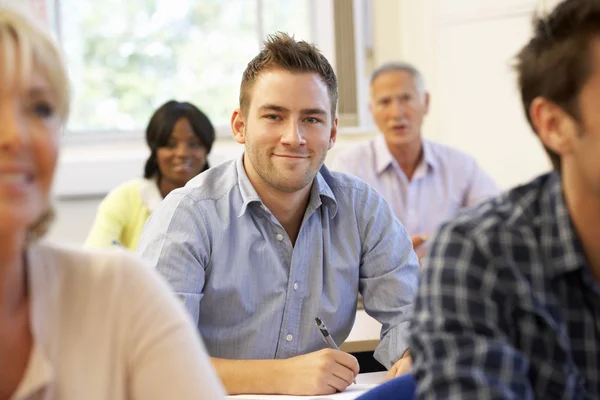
322 372
249 376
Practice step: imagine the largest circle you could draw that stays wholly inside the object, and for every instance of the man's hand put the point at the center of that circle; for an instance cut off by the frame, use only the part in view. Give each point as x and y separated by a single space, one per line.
322 372
401 367
417 242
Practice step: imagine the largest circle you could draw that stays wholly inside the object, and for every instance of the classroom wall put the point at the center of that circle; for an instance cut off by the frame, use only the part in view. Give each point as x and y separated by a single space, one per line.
463 47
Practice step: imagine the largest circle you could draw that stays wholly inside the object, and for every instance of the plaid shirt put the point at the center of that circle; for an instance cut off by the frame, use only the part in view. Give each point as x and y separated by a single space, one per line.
507 307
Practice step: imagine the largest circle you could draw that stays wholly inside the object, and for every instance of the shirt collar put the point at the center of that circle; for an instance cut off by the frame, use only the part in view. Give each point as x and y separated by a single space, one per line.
320 192
150 194
559 240
429 155
384 158
247 190
39 372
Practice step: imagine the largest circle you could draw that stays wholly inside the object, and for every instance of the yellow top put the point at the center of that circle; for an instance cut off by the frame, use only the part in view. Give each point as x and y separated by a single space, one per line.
122 214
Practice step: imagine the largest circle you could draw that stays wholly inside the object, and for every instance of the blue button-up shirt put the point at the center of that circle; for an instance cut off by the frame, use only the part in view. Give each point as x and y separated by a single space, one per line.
508 307
253 294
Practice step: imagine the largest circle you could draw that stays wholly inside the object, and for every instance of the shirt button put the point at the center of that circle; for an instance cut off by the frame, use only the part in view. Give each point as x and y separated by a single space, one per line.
295 285
289 337
279 237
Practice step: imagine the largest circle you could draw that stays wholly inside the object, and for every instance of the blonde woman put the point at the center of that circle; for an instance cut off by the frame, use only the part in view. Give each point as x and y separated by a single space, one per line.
73 324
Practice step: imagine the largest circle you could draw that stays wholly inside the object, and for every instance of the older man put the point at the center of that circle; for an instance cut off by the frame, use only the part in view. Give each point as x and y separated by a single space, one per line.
424 182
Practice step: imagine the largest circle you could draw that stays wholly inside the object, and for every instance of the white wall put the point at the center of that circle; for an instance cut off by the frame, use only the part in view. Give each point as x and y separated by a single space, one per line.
479 108
74 218
463 47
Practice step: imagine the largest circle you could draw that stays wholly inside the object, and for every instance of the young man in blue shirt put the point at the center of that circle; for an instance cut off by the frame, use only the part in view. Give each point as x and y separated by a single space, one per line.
259 246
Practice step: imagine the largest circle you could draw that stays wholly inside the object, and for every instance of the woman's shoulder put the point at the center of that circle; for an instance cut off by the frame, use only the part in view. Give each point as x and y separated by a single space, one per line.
126 194
109 271
130 185
100 305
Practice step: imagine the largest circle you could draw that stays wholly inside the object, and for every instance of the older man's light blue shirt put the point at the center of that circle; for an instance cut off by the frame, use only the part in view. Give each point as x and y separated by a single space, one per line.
445 181
253 294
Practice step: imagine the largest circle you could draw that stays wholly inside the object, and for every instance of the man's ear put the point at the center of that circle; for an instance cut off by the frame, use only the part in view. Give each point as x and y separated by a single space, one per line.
554 126
427 99
333 133
238 126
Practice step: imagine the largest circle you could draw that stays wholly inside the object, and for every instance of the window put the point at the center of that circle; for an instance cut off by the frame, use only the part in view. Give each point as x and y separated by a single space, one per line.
128 57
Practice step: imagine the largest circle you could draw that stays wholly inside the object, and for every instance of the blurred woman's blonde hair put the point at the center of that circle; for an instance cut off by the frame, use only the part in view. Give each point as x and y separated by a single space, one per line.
26 46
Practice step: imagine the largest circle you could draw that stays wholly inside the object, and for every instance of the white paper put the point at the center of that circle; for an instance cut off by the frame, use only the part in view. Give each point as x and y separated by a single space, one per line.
352 392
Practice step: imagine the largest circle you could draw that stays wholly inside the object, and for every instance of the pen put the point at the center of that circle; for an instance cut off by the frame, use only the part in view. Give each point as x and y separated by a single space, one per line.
327 337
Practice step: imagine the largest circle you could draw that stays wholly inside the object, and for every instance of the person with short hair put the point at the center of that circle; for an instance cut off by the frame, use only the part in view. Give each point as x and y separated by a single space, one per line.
260 246
508 305
424 182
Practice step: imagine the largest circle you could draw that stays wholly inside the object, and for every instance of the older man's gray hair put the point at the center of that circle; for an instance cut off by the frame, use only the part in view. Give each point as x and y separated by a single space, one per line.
399 66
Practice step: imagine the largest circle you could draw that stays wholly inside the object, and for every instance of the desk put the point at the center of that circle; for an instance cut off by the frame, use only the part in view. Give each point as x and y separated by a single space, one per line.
364 335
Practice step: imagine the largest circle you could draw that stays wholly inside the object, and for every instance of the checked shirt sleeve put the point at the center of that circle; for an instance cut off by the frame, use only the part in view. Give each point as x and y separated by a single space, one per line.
461 329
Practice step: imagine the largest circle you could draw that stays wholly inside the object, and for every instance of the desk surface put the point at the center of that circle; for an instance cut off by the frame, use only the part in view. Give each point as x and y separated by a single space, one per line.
364 335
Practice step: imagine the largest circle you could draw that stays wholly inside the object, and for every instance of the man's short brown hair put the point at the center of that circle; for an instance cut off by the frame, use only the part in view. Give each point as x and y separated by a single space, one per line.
283 51
556 63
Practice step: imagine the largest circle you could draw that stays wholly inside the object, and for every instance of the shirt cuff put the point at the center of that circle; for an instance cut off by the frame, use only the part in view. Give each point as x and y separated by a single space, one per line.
392 346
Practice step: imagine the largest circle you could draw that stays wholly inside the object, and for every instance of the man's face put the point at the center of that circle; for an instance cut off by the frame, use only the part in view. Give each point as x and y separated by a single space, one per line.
397 107
584 151
287 129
